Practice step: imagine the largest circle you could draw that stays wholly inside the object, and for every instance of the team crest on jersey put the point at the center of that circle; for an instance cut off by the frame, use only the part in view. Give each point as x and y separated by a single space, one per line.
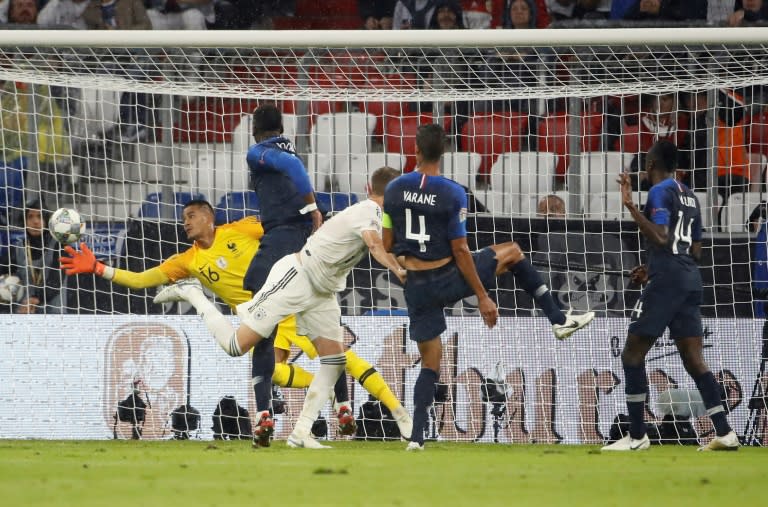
222 262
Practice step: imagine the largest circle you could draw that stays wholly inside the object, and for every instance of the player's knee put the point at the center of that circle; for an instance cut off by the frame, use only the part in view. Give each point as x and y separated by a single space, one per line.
508 254
632 358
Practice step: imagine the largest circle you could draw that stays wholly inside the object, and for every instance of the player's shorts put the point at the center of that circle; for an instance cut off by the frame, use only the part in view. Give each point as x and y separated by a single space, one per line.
275 244
661 307
288 291
427 293
287 335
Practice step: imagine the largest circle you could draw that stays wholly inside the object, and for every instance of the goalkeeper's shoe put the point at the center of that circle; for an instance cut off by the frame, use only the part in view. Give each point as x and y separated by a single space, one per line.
572 324
264 430
404 422
304 442
414 446
629 444
177 291
729 442
346 418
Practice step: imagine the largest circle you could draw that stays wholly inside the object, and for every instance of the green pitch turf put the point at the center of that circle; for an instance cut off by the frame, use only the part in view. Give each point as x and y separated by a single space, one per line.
178 474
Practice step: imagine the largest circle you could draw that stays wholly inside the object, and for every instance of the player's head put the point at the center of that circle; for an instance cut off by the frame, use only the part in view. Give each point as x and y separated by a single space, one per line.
34 218
198 219
661 160
267 122
430 143
380 179
551 206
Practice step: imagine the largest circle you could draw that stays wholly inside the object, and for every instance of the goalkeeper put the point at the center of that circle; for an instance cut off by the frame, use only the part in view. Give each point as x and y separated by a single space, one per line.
219 258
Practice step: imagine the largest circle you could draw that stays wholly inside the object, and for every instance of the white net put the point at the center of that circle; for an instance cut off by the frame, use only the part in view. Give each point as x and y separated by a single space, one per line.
126 136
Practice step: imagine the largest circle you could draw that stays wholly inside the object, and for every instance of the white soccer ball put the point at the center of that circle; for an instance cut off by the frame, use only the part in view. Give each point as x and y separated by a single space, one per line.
11 289
66 226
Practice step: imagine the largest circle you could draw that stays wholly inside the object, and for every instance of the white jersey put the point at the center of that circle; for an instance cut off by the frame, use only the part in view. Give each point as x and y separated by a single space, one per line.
337 246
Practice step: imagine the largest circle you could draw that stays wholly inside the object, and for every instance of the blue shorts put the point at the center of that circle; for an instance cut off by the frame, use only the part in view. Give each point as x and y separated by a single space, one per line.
427 293
275 244
661 307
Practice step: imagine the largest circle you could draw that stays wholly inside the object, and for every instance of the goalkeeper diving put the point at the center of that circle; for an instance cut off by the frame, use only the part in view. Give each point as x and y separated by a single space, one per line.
219 258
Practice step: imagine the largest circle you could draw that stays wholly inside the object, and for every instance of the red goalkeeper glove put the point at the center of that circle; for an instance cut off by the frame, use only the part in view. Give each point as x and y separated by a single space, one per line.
82 262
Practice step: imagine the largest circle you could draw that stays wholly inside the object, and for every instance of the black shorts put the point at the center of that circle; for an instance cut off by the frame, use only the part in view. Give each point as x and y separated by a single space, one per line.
427 293
275 244
661 307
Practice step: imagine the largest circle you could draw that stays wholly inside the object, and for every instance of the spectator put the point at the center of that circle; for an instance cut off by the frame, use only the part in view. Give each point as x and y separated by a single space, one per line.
116 15
374 11
539 13
181 14
695 146
35 260
579 9
670 10
550 206
747 12
520 14
476 14
732 159
412 14
447 16
61 13
22 12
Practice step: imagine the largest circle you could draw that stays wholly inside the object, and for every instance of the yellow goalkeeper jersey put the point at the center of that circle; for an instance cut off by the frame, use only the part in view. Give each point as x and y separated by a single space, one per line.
221 267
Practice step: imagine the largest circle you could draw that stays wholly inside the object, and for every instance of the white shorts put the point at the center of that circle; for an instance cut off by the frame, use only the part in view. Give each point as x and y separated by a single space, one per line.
288 291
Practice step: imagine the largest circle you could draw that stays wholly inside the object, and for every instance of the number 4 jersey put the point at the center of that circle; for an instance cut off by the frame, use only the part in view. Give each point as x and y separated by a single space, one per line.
674 205
425 214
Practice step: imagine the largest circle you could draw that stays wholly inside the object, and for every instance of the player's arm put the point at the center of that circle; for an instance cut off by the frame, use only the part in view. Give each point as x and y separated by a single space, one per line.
376 247
292 167
388 239
84 262
656 232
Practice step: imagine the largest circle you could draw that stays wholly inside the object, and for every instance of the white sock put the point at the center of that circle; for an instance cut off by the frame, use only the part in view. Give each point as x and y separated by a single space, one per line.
318 391
217 324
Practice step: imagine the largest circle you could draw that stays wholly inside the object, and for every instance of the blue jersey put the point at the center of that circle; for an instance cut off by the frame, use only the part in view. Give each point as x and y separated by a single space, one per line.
426 213
674 205
280 180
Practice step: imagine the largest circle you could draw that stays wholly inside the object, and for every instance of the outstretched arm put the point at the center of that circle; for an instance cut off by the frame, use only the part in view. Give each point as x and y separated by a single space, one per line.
466 265
84 262
655 233
376 247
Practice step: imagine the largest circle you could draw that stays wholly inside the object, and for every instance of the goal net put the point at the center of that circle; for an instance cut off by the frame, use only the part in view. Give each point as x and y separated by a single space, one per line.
126 128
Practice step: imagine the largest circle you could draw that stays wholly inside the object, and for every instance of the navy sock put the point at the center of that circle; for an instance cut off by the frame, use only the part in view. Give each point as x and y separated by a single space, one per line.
262 368
636 389
710 394
340 388
423 397
534 286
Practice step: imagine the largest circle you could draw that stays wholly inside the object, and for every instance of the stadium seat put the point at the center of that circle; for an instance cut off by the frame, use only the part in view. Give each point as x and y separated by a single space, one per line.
150 208
553 136
757 163
708 211
490 135
333 202
599 172
236 205
319 170
736 213
400 137
516 180
351 173
608 205
242 135
340 134
461 166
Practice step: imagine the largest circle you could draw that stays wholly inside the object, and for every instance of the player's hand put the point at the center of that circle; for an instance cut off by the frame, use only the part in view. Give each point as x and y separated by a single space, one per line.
625 185
82 262
401 275
488 311
28 306
317 219
639 275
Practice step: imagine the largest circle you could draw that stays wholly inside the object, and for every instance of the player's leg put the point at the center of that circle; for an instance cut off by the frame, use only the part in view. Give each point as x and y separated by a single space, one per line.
687 323
424 390
291 375
374 383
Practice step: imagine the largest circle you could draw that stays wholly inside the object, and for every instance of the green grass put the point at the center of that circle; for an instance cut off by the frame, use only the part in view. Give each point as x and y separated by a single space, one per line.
177 474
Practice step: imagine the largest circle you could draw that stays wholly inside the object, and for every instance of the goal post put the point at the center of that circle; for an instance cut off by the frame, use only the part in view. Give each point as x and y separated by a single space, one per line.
126 126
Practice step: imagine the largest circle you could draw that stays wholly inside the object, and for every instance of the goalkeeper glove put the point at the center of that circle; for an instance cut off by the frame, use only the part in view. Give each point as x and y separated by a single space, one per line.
82 262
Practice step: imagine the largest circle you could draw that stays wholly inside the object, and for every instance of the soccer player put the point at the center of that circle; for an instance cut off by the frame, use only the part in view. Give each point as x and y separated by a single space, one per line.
671 298
289 215
305 283
425 227
219 258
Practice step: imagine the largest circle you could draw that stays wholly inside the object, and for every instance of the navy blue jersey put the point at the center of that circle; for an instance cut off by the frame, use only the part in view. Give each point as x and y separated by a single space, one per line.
280 180
426 213
674 205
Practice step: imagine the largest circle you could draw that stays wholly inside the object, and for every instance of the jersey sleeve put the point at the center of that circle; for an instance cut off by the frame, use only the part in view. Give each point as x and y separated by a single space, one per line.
176 267
249 226
281 161
368 218
457 225
658 206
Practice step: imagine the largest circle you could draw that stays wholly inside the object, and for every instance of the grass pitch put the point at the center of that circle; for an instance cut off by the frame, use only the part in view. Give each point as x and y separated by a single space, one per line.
192 473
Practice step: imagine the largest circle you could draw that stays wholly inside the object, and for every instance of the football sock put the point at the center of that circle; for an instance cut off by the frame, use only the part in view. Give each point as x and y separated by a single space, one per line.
331 367
291 375
423 397
371 380
217 324
262 369
636 389
534 286
710 395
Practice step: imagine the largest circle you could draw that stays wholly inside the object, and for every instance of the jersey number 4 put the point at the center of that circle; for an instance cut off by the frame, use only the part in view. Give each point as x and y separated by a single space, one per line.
421 236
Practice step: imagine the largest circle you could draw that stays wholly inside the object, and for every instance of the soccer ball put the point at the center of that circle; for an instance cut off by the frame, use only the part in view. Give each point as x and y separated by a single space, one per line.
11 289
66 226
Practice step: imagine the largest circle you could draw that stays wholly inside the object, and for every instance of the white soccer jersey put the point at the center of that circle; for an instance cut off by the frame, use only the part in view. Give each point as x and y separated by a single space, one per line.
337 246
